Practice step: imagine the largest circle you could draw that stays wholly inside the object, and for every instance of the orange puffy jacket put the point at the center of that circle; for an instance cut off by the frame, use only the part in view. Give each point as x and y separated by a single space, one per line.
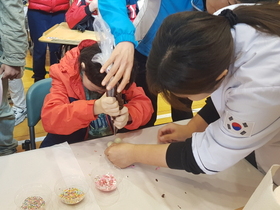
59 116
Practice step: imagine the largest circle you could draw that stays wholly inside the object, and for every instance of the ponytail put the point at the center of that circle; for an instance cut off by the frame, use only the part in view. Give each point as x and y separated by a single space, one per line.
263 17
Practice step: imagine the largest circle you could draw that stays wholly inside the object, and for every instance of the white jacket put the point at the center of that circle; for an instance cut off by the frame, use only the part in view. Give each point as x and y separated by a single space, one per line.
248 103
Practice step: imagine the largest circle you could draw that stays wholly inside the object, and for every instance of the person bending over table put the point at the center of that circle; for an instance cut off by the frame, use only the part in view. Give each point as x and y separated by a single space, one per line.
136 42
240 70
76 107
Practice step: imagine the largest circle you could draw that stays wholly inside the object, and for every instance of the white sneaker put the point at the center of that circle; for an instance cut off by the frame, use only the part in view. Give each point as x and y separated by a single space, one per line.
20 115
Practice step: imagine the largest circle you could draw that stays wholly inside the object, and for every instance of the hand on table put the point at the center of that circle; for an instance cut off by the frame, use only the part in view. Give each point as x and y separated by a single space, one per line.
10 72
121 120
120 154
122 59
172 133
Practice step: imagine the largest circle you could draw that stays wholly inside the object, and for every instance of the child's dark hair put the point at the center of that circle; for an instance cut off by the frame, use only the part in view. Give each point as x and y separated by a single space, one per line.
92 70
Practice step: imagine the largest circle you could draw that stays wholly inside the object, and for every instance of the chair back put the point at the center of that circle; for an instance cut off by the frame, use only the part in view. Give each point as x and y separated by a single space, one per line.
34 100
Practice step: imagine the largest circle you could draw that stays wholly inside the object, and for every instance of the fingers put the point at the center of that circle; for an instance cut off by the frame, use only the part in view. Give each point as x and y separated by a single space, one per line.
108 105
166 134
9 76
107 79
166 138
116 73
121 120
112 71
126 78
115 80
1 69
122 60
106 65
124 111
10 72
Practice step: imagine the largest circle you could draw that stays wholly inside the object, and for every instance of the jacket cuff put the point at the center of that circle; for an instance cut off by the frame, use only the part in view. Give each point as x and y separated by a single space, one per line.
179 155
126 38
12 61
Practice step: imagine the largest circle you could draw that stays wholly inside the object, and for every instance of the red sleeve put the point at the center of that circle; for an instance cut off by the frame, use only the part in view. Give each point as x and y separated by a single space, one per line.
139 107
76 13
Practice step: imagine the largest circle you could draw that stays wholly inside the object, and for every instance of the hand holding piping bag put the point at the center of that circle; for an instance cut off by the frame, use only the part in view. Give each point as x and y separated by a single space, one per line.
106 44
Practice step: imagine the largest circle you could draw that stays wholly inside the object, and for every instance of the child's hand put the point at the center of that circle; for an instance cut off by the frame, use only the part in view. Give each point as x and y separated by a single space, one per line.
121 120
107 105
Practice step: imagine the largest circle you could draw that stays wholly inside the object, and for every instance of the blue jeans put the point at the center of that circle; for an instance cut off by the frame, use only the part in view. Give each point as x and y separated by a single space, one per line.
39 22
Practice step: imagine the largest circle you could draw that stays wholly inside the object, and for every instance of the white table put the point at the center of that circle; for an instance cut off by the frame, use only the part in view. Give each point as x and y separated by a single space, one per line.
143 187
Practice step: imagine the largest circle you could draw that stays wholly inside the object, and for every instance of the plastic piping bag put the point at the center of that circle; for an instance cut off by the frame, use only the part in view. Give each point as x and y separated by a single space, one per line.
106 40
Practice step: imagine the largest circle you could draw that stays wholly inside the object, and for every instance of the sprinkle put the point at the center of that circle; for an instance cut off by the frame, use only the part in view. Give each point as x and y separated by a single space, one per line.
163 195
157 168
72 195
33 202
106 182
157 180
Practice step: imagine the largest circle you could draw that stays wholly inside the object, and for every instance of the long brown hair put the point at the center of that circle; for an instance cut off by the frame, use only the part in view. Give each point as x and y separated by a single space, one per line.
191 49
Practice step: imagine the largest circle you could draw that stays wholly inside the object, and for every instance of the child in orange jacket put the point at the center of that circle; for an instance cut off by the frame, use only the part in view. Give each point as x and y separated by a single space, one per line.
76 107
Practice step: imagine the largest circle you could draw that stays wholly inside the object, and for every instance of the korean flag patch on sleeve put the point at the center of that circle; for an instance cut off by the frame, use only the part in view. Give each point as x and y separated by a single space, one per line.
238 127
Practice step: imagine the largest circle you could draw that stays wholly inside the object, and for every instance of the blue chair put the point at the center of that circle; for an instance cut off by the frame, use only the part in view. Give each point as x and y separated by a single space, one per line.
34 101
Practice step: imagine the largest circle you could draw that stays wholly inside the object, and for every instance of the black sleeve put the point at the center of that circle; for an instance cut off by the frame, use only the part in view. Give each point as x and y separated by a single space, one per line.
180 156
209 112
